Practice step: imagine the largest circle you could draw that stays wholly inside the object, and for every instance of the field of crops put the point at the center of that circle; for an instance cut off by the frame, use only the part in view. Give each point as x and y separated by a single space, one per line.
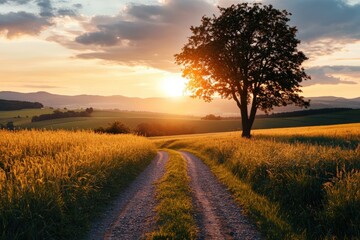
22 119
300 183
53 183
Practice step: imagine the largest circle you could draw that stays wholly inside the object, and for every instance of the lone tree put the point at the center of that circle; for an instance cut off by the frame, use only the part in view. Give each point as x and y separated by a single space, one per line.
248 53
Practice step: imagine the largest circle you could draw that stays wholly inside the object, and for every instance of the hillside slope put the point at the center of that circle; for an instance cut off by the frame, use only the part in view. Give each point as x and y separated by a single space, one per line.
180 105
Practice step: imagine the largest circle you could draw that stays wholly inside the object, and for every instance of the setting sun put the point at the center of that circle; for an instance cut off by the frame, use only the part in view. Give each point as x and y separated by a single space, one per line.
173 86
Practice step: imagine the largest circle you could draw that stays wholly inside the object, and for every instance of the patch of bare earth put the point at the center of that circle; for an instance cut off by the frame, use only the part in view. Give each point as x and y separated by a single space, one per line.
218 215
132 215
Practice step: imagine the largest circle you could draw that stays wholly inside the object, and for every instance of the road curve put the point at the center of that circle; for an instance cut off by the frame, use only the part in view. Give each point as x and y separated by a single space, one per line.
218 216
132 215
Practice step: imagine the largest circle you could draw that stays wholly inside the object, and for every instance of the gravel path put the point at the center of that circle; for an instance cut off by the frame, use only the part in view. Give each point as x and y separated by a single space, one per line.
132 214
218 216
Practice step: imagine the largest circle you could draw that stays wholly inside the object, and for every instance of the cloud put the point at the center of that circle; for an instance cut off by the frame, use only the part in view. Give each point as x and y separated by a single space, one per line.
327 24
331 75
101 38
66 12
44 5
152 34
37 86
46 9
77 5
323 25
21 23
144 34
319 19
19 2
15 24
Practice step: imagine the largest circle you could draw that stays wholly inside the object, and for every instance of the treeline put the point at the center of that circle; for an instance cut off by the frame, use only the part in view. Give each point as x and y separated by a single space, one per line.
211 117
147 129
59 114
7 126
305 112
10 105
156 129
300 113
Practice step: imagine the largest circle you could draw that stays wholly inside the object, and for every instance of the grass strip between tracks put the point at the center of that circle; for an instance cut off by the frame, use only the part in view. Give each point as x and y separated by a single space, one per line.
175 210
265 213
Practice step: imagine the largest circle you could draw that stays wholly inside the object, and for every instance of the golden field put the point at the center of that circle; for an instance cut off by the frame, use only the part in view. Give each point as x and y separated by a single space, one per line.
296 183
52 182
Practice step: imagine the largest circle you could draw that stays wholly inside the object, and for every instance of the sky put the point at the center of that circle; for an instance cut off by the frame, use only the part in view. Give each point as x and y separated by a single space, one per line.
127 47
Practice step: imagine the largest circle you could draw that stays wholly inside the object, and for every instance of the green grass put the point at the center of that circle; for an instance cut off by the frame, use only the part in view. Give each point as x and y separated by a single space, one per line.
299 183
52 184
175 211
25 115
132 119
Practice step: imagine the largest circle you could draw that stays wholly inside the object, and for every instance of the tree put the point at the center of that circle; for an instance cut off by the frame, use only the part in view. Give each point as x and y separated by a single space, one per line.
211 117
114 128
249 54
10 126
89 110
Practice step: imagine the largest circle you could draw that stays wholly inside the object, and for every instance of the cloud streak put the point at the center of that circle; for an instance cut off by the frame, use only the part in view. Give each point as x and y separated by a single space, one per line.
151 34
19 2
319 19
15 24
326 24
22 23
144 34
329 75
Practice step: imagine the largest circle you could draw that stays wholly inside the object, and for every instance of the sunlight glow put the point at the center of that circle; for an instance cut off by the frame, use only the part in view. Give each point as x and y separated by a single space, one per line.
173 85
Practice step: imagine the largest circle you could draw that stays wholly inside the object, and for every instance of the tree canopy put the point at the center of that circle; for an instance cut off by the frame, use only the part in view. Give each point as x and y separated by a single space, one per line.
249 54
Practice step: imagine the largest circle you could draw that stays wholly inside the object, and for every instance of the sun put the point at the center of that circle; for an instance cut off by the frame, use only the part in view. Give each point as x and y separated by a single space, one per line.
173 86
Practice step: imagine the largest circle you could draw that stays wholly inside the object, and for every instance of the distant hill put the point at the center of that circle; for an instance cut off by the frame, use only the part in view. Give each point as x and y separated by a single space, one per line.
9 105
181 105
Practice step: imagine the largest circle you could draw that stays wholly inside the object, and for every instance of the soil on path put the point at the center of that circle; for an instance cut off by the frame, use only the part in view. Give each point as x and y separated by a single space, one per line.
218 216
131 216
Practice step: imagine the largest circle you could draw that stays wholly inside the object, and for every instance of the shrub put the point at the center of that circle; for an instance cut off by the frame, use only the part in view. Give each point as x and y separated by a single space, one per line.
114 128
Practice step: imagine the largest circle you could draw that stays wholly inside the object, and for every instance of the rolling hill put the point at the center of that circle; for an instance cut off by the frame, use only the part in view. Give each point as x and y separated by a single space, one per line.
180 105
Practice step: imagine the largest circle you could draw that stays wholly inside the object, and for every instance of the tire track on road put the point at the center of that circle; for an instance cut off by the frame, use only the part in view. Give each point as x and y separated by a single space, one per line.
131 216
218 215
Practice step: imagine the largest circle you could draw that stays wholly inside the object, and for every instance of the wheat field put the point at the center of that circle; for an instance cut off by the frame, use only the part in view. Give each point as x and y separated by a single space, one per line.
306 179
52 182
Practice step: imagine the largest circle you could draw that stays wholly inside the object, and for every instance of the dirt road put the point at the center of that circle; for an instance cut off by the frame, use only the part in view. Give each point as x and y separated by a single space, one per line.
218 216
132 215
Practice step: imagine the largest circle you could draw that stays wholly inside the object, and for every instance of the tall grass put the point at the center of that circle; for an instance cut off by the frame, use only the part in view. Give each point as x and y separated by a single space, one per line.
313 184
52 183
175 210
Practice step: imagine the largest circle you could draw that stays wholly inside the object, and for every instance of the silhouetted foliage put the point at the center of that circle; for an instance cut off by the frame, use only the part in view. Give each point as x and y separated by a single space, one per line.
8 126
9 105
156 129
211 117
89 110
58 114
114 128
249 54
301 113
305 112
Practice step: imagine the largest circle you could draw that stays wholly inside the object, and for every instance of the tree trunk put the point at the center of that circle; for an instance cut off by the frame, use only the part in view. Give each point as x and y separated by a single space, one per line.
245 122
246 130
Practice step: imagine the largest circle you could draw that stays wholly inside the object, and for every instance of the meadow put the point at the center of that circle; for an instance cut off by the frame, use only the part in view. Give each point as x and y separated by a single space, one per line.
53 183
102 118
175 212
296 183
